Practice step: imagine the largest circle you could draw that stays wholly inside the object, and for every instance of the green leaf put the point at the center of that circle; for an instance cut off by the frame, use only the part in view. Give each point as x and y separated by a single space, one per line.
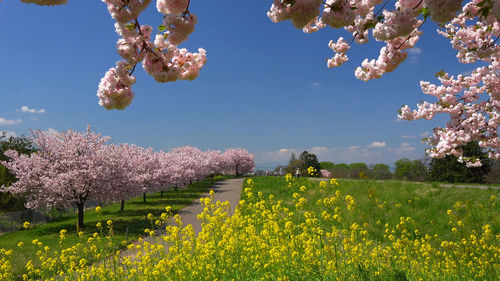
424 12
130 26
370 24
162 28
440 73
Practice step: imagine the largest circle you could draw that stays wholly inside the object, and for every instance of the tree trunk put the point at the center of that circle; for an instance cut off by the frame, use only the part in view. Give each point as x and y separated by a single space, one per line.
79 225
122 205
144 197
161 194
237 172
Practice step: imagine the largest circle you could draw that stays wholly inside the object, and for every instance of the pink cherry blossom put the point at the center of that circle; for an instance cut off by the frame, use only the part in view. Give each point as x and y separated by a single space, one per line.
237 161
46 2
115 88
171 6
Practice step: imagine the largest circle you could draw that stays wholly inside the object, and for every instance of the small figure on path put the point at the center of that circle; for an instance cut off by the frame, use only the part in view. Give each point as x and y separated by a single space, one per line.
297 172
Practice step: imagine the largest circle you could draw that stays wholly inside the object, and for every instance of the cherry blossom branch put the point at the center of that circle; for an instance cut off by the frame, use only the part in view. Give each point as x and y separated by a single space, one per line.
409 36
381 8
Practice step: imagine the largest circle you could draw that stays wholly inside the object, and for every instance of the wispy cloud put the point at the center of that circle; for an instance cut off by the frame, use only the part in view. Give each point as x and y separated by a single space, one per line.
9 122
415 51
408 137
315 84
405 149
9 134
414 54
51 132
376 152
26 109
377 144
425 134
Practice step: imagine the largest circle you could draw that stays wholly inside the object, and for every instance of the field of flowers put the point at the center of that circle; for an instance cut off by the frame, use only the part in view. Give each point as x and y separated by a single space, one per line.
297 229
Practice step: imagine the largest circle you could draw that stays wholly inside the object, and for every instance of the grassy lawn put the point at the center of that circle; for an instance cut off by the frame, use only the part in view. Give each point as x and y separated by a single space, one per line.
392 199
391 230
132 218
435 184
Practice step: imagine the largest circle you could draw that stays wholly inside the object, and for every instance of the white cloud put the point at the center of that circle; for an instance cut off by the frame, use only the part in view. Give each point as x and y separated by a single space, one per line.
376 152
415 51
414 54
425 134
467 73
404 149
9 122
315 84
9 134
26 109
408 137
377 144
336 154
51 132
319 149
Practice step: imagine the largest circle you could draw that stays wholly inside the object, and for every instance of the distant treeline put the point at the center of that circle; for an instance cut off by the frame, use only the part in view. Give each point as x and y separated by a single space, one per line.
446 169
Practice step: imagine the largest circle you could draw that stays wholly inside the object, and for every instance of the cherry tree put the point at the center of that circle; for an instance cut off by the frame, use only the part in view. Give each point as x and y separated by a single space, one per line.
473 27
144 168
237 161
69 168
188 165
123 173
214 162
472 101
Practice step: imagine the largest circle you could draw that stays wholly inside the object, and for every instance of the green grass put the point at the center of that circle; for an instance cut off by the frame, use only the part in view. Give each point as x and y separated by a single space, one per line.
133 217
378 203
430 182
426 204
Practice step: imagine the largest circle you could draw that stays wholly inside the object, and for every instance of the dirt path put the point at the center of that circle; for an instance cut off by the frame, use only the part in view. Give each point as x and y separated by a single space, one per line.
225 190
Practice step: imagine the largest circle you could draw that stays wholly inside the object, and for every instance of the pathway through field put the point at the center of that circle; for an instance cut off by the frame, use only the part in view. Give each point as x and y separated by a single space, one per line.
225 190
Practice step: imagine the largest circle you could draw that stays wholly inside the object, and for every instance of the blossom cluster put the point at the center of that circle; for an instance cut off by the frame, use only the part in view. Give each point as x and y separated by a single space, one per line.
472 101
160 58
46 2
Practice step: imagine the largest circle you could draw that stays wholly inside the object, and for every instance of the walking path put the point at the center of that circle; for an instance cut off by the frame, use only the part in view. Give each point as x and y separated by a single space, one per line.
225 190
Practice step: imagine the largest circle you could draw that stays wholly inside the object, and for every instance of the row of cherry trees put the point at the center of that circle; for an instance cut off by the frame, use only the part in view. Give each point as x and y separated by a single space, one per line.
71 168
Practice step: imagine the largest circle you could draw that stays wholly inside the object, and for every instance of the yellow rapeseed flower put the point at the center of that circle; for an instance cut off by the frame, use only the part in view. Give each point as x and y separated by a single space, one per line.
26 225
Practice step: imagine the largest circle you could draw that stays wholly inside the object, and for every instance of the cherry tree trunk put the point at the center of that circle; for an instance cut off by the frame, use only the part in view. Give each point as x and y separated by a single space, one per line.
79 225
144 197
122 205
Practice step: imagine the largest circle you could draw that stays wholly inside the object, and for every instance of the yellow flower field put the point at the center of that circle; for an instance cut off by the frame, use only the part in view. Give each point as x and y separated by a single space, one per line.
306 231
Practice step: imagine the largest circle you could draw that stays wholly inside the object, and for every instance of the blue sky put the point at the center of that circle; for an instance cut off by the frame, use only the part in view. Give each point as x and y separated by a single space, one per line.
265 86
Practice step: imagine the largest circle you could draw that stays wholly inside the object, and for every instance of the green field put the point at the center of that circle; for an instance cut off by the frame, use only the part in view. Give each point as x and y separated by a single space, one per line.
427 204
